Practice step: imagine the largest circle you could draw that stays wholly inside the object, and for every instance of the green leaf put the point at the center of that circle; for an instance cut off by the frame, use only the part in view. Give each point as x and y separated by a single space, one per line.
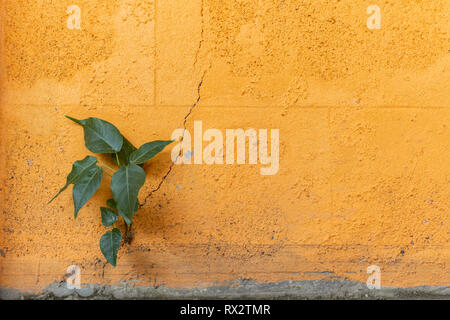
148 151
100 136
111 203
110 244
109 217
125 152
79 168
125 186
86 186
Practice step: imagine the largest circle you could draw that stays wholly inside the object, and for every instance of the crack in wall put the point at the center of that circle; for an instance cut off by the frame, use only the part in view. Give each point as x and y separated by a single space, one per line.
190 109
186 117
201 34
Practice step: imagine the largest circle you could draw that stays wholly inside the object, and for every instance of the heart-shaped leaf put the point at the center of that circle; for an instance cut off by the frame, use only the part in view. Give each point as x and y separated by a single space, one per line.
125 152
85 187
79 168
110 244
100 136
109 217
148 151
125 186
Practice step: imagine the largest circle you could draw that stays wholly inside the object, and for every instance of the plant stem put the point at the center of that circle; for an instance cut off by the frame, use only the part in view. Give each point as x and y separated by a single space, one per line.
129 234
106 166
117 158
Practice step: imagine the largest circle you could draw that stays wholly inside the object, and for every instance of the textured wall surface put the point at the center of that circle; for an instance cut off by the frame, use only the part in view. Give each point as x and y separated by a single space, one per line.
364 126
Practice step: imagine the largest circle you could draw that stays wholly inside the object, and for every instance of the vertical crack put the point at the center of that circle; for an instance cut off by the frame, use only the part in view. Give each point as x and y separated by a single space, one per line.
186 117
191 109
201 34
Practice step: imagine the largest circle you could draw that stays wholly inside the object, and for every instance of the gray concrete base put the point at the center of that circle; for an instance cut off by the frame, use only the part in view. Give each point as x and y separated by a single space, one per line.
245 289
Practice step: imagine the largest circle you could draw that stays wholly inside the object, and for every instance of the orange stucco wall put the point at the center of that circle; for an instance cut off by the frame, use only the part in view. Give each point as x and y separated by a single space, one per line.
364 127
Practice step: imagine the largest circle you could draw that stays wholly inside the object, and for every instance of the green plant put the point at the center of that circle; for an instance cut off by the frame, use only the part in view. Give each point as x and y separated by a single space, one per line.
104 138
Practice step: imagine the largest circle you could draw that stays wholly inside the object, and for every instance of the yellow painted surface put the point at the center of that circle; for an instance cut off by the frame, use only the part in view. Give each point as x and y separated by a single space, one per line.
364 120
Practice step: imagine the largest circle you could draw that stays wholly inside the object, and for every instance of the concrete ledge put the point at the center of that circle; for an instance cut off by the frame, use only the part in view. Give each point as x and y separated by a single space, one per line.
245 289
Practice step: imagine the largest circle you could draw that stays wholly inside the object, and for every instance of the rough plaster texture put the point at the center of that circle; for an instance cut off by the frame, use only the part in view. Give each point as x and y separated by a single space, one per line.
364 140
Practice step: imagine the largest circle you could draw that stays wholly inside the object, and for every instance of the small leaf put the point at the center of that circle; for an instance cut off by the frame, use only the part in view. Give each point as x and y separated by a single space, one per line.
148 151
125 186
111 203
78 169
109 217
125 152
110 244
100 136
86 186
